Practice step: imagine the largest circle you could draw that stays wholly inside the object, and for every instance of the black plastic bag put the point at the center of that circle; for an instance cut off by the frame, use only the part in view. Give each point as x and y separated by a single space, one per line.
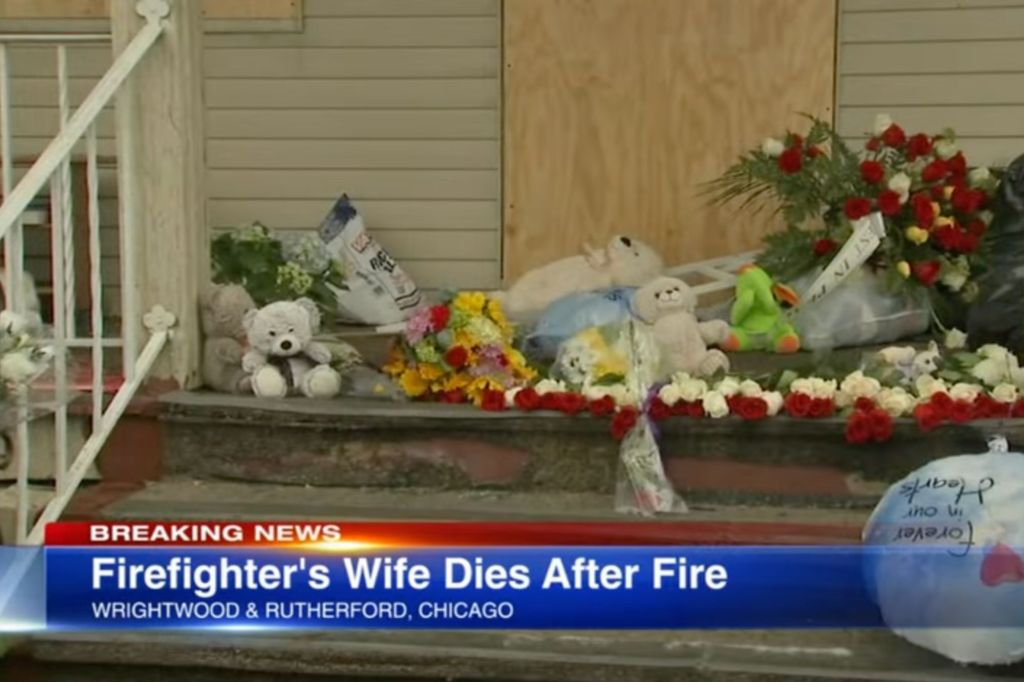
997 315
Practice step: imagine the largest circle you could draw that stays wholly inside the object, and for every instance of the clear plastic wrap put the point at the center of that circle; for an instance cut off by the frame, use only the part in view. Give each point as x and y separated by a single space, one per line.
573 314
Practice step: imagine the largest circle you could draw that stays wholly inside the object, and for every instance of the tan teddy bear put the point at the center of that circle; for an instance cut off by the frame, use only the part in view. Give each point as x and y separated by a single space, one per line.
222 310
668 304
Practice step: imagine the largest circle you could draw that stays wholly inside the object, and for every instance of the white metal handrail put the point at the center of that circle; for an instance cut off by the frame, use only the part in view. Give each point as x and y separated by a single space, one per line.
53 166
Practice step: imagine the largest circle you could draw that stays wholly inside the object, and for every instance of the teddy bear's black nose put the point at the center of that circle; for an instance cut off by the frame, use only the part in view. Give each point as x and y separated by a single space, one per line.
286 345
626 240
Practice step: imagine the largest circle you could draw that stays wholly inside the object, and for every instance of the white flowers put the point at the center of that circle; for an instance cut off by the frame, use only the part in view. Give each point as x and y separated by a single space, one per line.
1006 393
979 176
882 123
774 401
715 405
684 388
896 401
997 366
815 387
965 391
955 339
550 386
12 323
728 387
945 148
17 368
857 385
927 386
900 183
620 393
772 147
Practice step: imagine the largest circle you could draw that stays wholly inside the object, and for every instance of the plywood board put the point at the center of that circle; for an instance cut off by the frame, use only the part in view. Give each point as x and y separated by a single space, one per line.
617 110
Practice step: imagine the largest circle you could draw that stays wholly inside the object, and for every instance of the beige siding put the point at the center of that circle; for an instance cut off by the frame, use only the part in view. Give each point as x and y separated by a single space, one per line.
395 102
933 64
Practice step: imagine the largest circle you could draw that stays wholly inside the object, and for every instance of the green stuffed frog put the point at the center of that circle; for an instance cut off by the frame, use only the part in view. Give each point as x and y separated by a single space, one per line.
758 321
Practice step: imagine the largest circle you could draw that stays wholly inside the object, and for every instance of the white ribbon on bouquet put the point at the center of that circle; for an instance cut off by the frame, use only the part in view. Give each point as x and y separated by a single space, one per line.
865 240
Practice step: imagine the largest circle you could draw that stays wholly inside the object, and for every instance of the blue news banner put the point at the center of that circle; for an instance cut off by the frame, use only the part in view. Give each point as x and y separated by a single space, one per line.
515 587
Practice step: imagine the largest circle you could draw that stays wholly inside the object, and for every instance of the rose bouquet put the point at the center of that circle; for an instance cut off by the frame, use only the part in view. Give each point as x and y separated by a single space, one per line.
932 202
460 351
273 269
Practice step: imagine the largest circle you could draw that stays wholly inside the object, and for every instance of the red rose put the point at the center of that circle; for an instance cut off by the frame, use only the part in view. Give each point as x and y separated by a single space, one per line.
881 425
947 237
889 202
961 411
623 422
439 315
752 408
857 207
967 200
453 396
918 145
602 406
894 136
456 357
957 165
791 161
872 172
927 416
926 272
823 247
858 428
814 151
977 227
934 171
1018 409
798 404
938 192
493 401
942 403
550 401
795 141
864 404
821 407
924 212
571 403
873 144
527 399
987 407
659 410
966 242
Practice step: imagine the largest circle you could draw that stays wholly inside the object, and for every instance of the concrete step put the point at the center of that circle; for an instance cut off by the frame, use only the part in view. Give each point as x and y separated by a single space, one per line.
350 442
611 656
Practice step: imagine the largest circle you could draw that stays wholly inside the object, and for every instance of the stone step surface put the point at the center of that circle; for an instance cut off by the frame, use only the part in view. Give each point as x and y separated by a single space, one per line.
360 442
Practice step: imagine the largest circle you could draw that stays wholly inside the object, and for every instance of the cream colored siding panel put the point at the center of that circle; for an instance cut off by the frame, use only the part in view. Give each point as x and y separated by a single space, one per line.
41 62
357 154
377 32
453 274
262 93
372 184
43 122
366 124
933 64
384 214
440 245
429 62
405 8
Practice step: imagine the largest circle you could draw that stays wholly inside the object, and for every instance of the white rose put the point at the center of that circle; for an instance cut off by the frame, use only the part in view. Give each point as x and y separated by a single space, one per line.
1005 393
896 401
17 368
728 387
670 394
692 390
622 395
772 147
510 396
856 385
995 352
955 339
549 386
965 391
991 371
715 405
900 183
979 176
800 386
774 401
927 386
12 323
882 123
954 279
945 149
821 388
750 389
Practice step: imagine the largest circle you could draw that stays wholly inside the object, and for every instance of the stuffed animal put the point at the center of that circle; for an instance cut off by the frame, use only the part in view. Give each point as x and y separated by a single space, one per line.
668 304
222 308
911 362
623 262
758 321
283 358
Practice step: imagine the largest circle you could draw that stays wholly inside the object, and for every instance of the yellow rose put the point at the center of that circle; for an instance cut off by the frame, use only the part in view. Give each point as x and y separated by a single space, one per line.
947 191
412 383
430 371
916 235
942 221
903 267
936 209
471 302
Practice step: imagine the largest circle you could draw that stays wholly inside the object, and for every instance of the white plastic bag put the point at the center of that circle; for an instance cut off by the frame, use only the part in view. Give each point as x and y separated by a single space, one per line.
379 291
860 311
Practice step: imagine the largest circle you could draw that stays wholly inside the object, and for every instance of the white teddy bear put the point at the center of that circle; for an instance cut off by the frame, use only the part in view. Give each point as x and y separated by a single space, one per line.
283 358
623 262
668 304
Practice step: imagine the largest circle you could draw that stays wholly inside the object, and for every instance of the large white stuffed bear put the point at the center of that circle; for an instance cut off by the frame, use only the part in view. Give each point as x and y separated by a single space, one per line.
283 358
668 304
623 262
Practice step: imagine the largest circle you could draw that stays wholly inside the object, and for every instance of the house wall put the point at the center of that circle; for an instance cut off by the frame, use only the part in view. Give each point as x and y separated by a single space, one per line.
933 64
395 102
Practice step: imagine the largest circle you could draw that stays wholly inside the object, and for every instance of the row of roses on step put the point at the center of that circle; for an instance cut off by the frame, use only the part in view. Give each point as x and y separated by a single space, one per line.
868 405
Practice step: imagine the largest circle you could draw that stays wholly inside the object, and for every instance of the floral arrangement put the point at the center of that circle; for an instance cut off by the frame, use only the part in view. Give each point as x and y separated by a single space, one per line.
23 357
460 351
933 204
272 269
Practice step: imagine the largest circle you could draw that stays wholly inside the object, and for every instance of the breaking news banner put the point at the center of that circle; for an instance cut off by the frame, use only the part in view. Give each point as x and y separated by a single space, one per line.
276 575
